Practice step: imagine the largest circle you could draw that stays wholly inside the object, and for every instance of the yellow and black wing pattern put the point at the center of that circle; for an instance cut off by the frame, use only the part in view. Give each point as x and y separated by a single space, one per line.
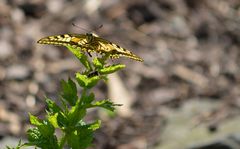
90 43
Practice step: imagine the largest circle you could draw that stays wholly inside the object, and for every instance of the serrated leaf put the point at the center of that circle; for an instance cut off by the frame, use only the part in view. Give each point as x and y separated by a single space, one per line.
93 81
62 120
81 123
82 80
34 120
76 114
53 119
94 126
86 82
34 135
88 99
52 106
69 91
98 63
54 111
36 138
64 105
42 135
80 138
46 128
81 57
111 69
107 104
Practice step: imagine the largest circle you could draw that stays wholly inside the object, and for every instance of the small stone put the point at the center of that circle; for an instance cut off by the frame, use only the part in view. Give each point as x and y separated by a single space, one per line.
30 101
2 73
33 88
18 72
6 32
35 10
53 54
17 16
6 49
55 6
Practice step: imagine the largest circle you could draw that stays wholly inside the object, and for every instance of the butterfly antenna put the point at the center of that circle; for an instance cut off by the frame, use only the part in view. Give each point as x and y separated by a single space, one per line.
73 24
96 28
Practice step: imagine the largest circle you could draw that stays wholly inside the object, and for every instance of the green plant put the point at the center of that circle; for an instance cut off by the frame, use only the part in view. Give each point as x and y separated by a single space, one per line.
69 116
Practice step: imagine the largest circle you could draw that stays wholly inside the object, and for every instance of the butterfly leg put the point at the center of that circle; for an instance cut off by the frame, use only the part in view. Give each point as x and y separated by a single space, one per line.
89 54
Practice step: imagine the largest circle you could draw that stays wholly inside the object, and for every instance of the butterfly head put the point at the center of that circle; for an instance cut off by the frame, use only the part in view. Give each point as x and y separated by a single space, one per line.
90 36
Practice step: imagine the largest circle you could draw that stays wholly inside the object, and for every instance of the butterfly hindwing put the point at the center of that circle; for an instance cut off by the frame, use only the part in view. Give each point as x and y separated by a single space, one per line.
115 50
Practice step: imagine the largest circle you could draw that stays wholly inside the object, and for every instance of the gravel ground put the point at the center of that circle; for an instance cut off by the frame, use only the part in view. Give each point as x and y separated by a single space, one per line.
190 51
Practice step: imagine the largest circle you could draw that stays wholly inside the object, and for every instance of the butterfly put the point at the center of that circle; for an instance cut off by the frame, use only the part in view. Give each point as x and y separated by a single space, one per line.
90 42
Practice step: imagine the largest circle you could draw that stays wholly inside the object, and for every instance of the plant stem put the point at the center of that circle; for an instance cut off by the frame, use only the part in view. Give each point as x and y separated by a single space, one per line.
63 140
85 93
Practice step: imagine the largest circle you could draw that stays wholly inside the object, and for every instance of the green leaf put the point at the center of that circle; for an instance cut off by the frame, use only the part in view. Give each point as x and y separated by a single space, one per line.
44 126
69 91
86 82
62 120
98 63
64 105
94 126
76 114
88 99
80 138
47 129
34 135
82 80
55 114
53 119
106 104
93 81
52 106
34 120
111 69
36 138
81 57
43 135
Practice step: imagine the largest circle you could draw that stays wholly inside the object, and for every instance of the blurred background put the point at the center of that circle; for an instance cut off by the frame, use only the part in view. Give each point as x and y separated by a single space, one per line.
185 95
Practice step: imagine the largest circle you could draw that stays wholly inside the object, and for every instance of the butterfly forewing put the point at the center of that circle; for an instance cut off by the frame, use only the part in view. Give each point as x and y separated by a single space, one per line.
89 43
63 40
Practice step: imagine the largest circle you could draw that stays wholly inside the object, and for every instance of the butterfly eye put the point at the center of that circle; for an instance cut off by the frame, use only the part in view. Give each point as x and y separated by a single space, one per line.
89 34
89 37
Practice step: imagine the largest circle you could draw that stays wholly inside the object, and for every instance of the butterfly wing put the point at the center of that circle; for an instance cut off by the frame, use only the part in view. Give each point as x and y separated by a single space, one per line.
115 50
89 43
73 40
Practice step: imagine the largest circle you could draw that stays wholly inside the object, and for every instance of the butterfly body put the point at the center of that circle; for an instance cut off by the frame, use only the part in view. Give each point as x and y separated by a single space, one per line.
89 43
